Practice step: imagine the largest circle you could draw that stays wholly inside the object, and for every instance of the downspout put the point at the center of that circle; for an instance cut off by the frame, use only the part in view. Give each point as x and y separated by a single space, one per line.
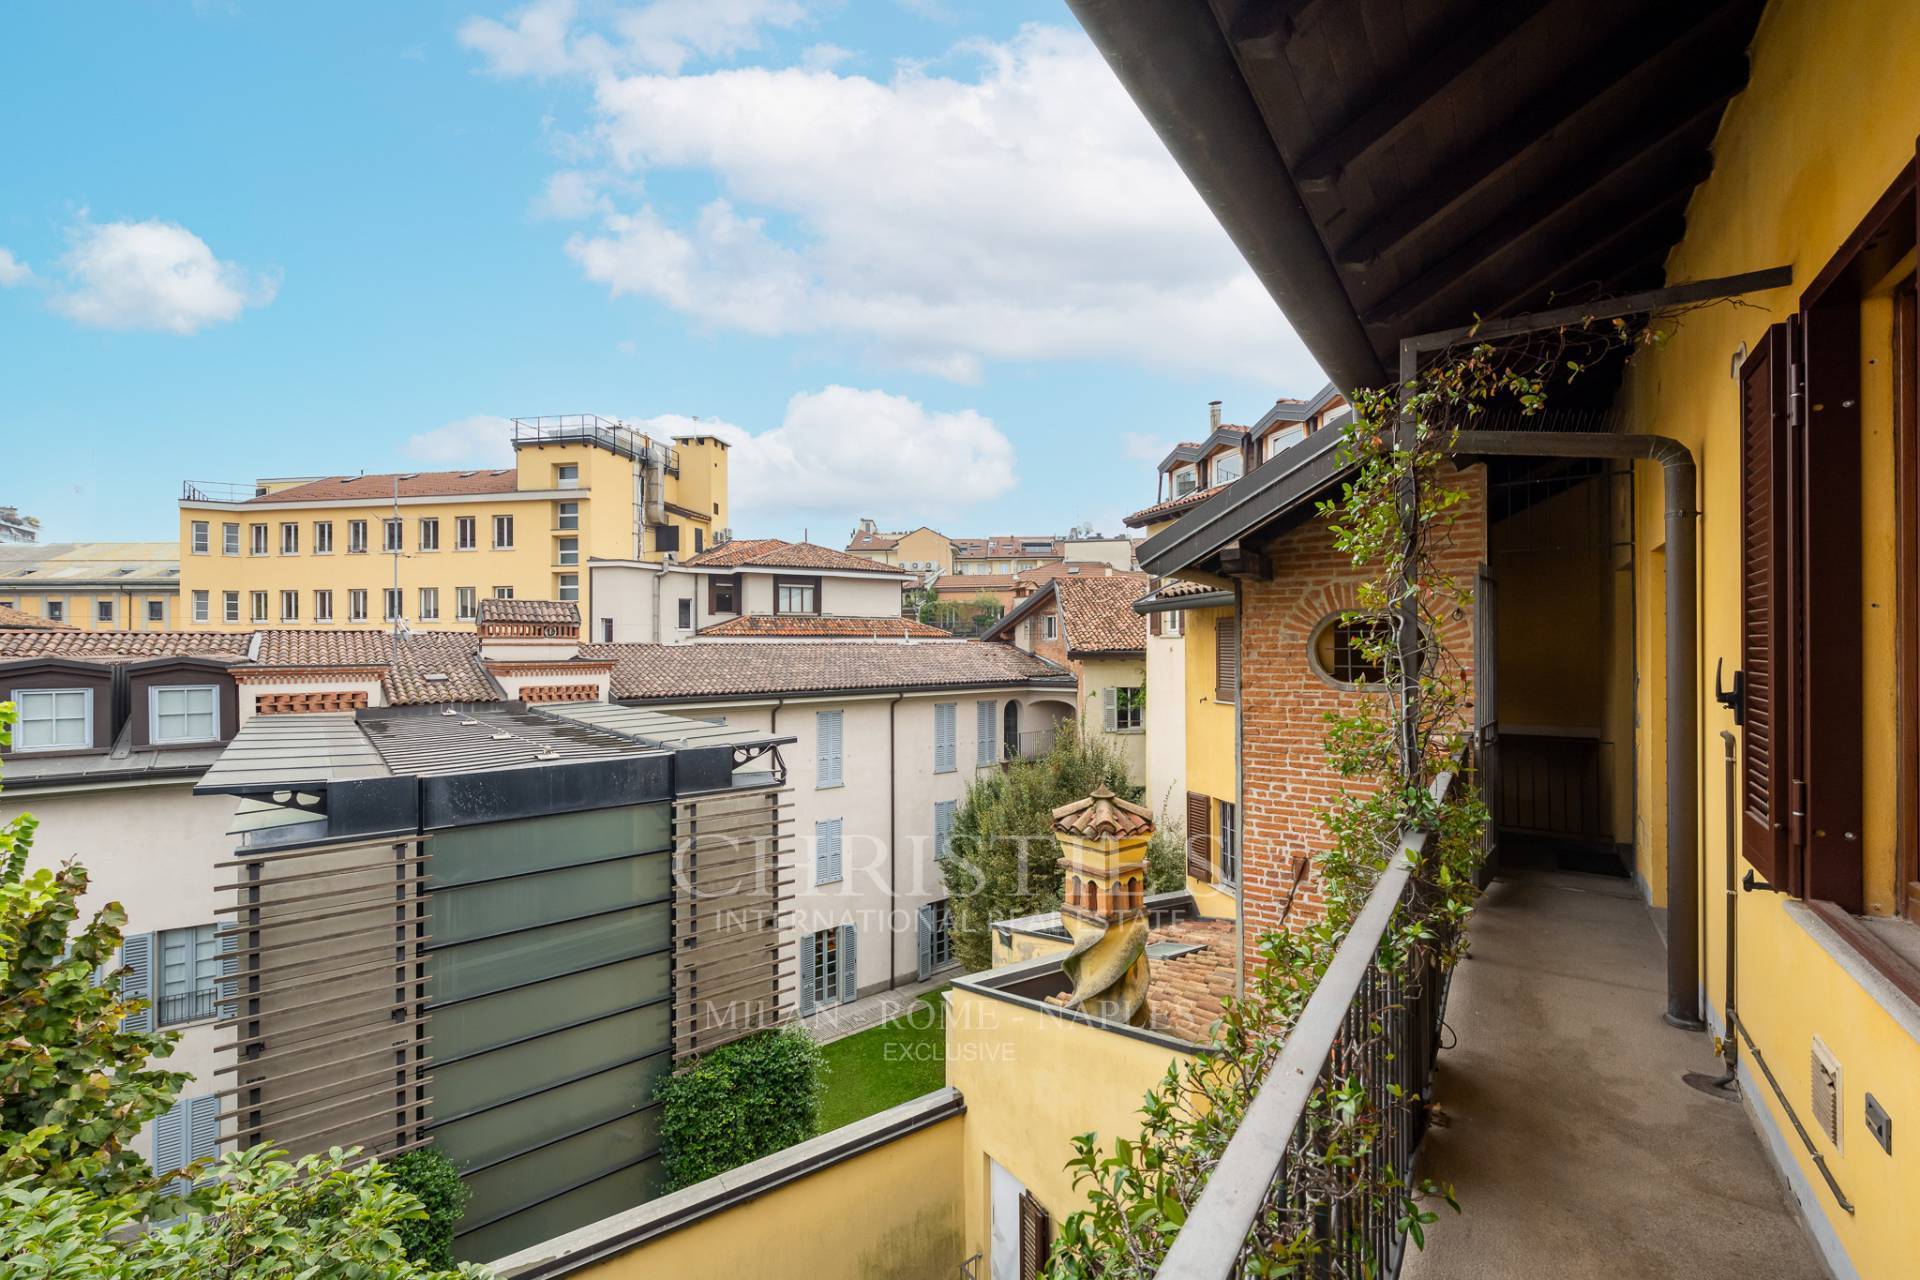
657 579
1683 677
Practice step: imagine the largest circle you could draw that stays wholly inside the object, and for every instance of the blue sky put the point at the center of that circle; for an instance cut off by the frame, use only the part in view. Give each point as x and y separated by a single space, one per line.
921 260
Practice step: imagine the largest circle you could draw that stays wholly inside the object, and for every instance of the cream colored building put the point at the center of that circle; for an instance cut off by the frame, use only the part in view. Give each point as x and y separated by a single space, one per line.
924 551
425 547
96 586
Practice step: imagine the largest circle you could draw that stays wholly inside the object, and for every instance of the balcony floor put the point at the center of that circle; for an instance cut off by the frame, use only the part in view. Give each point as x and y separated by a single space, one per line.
1572 1145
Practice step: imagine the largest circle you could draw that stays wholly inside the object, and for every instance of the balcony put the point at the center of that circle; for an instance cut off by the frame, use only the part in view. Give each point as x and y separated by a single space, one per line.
184 1006
605 433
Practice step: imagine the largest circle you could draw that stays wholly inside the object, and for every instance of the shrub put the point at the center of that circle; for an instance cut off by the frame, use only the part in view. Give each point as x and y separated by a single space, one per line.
742 1101
432 1180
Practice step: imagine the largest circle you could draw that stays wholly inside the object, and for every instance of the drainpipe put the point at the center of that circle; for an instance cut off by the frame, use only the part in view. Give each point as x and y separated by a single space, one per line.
1683 675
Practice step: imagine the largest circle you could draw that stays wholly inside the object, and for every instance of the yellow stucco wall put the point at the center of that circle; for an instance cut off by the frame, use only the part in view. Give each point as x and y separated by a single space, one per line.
1097 676
1828 120
925 546
1033 1082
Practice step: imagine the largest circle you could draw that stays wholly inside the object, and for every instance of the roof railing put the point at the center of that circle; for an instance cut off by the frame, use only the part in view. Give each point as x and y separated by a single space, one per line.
590 428
1364 1023
217 491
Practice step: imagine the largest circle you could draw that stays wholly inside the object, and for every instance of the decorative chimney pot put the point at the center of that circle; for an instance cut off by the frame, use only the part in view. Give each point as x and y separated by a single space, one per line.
1103 842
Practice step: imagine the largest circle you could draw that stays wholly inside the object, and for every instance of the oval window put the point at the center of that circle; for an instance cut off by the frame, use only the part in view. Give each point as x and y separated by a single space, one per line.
1339 650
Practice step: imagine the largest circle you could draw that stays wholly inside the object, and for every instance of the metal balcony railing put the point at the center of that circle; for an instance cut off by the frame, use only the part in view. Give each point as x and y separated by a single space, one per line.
184 1006
217 491
591 428
1363 1023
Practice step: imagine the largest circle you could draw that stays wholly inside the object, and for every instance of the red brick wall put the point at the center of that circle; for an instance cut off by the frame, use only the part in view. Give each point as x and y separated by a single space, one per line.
1054 650
1285 776
290 704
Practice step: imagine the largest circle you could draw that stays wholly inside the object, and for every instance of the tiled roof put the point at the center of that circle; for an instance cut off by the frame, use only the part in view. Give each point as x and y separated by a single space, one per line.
1186 993
70 564
1069 569
406 666
122 646
1102 814
413 484
971 583
13 619
792 624
1096 614
493 609
690 672
1170 508
1174 588
776 553
873 542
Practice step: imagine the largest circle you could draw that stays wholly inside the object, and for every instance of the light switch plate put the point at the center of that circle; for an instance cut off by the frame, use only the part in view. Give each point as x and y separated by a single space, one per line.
1880 1124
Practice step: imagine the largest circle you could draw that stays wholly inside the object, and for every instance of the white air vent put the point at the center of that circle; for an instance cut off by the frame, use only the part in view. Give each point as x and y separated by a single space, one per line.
1826 1092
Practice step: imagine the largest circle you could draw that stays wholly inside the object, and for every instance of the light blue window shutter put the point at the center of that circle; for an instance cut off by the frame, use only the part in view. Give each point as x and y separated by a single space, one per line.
942 827
136 983
828 748
170 1138
826 851
1110 709
926 942
229 985
203 1128
806 974
849 962
983 717
945 758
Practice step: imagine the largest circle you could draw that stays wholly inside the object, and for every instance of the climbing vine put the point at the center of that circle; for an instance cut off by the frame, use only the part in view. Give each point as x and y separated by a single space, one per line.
1395 519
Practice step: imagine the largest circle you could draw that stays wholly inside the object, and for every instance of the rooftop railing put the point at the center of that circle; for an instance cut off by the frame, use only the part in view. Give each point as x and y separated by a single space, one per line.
217 491
591 428
1365 1024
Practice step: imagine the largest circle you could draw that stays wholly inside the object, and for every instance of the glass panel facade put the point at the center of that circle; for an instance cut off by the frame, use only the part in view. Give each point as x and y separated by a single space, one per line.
518 1126
466 854
497 906
474 1026
596 1200
586 1155
475 968
540 1063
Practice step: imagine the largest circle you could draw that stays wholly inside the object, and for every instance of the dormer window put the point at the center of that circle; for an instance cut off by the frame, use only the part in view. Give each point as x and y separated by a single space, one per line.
53 719
1227 467
1185 481
183 713
1285 438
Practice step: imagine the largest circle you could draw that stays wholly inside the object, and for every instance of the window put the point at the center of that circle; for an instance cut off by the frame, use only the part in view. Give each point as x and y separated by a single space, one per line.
570 587
201 610
323 606
502 533
202 536
828 745
429 604
566 476
356 537
723 595
289 539
393 604
103 610
503 593
189 964
392 537
567 551
936 938
259 606
230 606
356 606
1285 438
465 602
699 540
1229 844
1185 481
229 539
685 618
828 968
945 758
792 595
826 851
188 1131
1125 709
566 515
984 744
1050 627
183 713
1227 467
323 537
1172 623
258 533
606 630
1337 651
943 811
53 719
429 536
56 611
466 533
1226 660
156 611
289 606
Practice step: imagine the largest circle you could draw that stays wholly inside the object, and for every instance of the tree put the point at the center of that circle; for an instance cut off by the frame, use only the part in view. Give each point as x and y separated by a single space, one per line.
1005 861
15 527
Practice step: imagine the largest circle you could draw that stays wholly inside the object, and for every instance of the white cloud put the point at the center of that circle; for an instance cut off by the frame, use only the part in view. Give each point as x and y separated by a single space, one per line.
539 40
1024 211
480 441
1141 447
841 450
825 57
153 275
12 270
572 194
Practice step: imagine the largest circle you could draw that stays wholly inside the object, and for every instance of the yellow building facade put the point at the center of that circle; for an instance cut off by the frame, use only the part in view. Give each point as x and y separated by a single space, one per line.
95 586
426 547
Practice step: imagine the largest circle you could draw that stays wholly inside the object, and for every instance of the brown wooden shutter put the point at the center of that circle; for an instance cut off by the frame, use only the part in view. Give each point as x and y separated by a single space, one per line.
1226 660
1200 836
1033 1237
1767 572
1153 624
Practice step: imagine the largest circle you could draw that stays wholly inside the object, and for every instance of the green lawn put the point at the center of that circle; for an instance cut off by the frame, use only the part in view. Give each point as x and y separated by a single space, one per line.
886 1065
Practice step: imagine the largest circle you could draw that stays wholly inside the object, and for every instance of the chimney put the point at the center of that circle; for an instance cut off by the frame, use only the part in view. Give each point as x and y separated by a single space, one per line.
1103 845
1213 415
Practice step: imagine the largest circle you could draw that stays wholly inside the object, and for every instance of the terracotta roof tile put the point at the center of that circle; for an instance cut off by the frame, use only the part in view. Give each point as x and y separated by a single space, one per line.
689 672
13 619
122 646
413 484
565 612
788 624
1103 814
1170 508
1174 588
406 668
970 583
873 542
1186 994
1097 613
776 553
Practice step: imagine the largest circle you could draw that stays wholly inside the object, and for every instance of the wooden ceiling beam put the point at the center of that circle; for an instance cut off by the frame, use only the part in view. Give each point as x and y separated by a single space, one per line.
1406 93
1660 222
1632 58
